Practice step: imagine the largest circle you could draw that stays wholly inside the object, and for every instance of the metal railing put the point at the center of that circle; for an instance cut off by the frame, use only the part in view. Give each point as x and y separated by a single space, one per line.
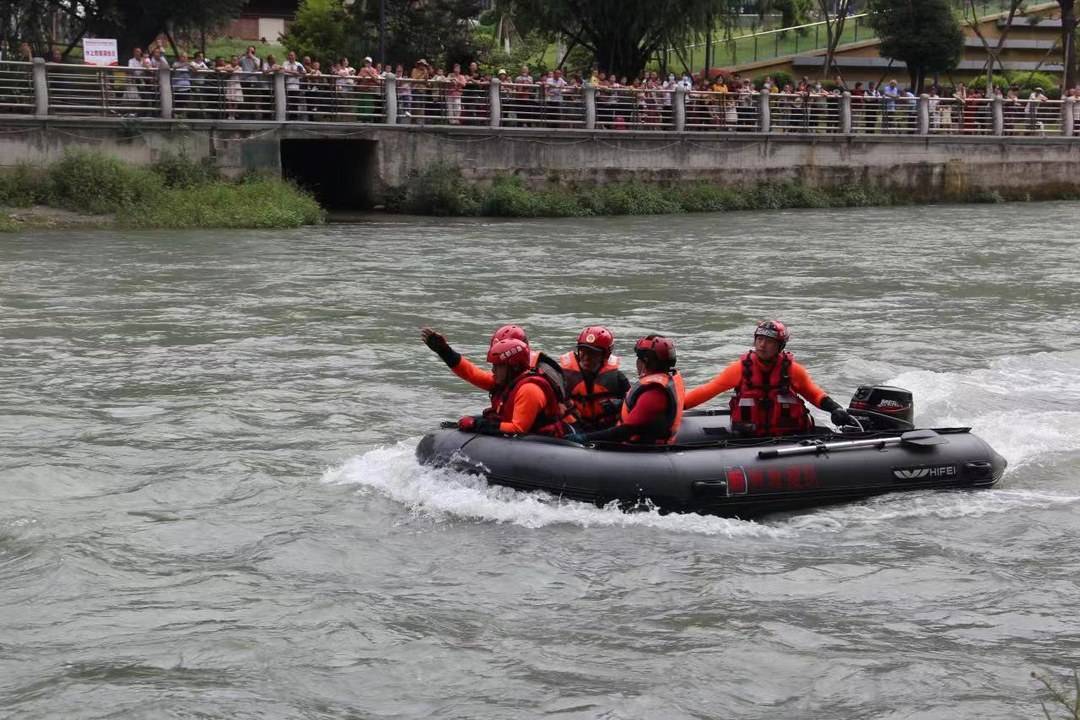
723 111
958 116
16 87
1037 118
90 90
805 112
44 90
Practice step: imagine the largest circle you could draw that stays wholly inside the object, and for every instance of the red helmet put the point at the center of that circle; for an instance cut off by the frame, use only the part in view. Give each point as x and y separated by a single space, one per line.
511 351
506 332
657 351
596 337
772 329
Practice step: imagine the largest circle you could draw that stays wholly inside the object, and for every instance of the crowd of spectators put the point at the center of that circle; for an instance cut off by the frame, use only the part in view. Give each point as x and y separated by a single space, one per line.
241 87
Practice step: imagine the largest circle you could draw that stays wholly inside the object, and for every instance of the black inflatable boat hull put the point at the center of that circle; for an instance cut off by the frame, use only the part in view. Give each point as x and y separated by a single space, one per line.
729 478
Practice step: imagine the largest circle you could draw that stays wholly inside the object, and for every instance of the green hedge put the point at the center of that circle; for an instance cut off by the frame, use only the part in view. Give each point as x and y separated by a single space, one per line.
174 192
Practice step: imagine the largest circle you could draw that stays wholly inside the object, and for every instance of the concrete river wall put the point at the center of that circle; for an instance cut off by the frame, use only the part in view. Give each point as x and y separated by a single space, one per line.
367 159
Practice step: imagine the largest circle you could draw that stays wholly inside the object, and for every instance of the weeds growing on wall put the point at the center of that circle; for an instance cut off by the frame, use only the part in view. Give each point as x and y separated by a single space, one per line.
174 192
442 190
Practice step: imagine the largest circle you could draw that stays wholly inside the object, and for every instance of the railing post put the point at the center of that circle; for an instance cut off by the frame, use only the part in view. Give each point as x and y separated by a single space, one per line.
923 112
281 100
764 112
678 106
389 89
165 92
40 79
1068 116
845 113
997 107
495 102
590 106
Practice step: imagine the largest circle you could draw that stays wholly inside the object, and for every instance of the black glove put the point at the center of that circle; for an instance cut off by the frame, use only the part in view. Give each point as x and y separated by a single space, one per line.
440 347
841 417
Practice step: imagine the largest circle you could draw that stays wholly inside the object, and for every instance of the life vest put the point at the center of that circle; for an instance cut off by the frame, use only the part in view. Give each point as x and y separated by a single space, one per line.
594 405
764 405
672 384
546 374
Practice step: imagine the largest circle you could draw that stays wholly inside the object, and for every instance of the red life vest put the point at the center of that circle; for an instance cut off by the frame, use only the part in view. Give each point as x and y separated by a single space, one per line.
545 374
672 384
764 405
595 404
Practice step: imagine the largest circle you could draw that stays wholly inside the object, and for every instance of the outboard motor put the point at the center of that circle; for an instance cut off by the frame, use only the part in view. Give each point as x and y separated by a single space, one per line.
882 407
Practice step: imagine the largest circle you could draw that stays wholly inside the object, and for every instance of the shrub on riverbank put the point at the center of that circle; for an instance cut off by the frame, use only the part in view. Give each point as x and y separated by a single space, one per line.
174 192
255 203
443 190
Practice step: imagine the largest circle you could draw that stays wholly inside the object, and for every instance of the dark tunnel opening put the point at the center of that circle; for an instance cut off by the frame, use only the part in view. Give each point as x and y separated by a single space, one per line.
340 173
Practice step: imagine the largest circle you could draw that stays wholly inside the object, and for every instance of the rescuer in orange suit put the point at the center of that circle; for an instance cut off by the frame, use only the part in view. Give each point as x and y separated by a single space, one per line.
595 386
652 410
525 398
768 384
462 366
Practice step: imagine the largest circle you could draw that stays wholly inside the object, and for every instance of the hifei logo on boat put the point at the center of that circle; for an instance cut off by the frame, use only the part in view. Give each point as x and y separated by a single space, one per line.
925 472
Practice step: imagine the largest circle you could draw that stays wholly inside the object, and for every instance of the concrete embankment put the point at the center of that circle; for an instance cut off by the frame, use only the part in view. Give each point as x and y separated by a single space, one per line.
355 165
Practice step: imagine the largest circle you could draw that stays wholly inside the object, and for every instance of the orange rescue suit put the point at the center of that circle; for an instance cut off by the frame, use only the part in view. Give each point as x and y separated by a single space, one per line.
672 384
528 404
595 404
766 398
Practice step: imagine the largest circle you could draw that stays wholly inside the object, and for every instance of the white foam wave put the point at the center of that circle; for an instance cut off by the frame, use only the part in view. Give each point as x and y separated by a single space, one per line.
943 505
1022 405
438 493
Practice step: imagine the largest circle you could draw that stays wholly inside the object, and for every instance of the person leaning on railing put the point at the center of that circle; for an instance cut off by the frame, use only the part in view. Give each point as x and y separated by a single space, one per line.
368 85
524 98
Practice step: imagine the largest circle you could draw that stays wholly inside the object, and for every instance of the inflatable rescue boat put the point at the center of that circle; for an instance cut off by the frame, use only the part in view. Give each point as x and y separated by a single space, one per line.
712 470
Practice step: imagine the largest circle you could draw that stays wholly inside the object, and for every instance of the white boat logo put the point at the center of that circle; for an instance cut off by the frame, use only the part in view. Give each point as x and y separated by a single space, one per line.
933 472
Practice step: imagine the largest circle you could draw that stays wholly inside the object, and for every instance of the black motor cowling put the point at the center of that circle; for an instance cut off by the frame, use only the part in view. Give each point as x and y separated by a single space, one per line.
882 407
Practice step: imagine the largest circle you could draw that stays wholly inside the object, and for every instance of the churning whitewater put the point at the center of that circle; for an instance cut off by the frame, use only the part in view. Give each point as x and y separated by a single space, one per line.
985 398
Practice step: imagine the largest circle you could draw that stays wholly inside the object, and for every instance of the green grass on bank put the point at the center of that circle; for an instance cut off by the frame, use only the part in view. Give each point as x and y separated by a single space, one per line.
442 190
174 192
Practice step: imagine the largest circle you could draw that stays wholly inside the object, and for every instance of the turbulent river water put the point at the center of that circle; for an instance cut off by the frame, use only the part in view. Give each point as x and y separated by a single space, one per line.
209 504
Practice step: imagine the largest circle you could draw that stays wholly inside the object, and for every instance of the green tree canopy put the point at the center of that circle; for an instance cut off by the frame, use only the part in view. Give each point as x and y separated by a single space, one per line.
621 34
437 30
925 34
132 22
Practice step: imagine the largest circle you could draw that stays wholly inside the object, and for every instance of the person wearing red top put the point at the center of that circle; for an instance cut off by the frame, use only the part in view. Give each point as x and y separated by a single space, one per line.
595 386
768 384
526 398
652 411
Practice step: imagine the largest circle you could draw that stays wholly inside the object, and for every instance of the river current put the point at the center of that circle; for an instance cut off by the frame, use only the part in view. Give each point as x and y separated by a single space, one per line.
209 504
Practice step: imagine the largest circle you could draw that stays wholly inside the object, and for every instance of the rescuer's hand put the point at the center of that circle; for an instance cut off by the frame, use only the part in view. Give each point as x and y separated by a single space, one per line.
841 417
434 340
440 347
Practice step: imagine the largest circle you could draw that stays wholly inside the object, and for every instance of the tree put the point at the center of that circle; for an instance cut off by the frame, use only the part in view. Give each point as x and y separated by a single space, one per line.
132 22
923 33
834 30
621 34
437 30
993 54
1068 41
792 12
